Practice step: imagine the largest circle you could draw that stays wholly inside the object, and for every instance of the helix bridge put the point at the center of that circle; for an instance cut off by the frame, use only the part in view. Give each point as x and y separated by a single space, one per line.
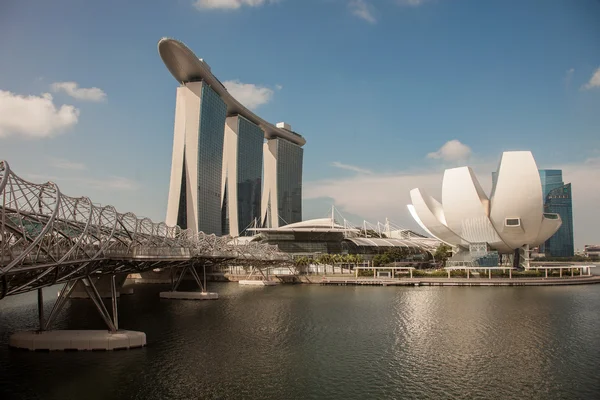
49 238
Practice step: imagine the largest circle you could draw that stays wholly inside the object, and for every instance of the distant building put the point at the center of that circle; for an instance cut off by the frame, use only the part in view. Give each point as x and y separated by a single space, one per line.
592 251
315 237
557 200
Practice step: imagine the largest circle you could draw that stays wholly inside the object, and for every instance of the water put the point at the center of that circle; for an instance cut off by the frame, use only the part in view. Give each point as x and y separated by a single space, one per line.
316 342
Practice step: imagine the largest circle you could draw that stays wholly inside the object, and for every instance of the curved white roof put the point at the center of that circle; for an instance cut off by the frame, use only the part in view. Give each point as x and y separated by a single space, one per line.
314 223
513 217
311 225
186 67
389 242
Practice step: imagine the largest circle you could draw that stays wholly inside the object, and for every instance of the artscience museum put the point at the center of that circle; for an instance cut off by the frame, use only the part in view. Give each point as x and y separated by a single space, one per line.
482 229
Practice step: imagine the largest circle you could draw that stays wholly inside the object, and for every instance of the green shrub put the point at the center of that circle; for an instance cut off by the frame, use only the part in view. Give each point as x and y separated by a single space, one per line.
365 272
528 274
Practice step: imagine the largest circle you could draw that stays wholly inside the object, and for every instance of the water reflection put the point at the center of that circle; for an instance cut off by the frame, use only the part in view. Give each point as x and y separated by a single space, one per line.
313 342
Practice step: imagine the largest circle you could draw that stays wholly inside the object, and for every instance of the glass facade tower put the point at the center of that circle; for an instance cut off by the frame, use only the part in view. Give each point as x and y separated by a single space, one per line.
249 172
213 111
558 199
195 189
289 181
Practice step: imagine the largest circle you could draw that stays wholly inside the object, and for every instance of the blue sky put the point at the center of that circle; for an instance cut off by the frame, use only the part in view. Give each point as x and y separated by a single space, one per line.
377 87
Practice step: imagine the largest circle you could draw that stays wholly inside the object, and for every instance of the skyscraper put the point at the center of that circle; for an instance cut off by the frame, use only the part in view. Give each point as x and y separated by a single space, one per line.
242 175
557 200
224 176
282 199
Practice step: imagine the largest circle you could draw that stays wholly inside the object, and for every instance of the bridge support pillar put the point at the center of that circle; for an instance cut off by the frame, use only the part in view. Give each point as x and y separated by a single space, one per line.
110 339
104 285
201 295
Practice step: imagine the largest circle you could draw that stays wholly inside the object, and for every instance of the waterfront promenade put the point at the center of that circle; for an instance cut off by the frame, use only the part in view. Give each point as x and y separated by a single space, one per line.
352 280
426 281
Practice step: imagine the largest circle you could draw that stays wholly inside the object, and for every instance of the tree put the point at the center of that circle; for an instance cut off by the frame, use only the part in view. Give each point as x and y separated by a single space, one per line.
324 259
381 259
398 253
358 259
301 264
442 253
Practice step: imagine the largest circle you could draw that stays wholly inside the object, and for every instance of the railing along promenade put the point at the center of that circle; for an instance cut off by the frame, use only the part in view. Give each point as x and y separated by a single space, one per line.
48 238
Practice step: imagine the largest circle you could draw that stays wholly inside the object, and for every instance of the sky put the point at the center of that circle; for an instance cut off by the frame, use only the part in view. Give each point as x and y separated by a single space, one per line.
387 93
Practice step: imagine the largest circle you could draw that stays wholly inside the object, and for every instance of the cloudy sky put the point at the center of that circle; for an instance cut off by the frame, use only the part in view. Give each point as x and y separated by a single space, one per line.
388 93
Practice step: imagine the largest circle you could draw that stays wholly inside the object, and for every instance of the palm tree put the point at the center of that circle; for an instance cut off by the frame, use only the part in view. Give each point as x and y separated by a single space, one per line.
301 264
324 260
358 259
336 259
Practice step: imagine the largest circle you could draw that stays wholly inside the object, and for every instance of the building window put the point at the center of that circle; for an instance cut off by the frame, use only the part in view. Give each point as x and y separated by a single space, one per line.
513 222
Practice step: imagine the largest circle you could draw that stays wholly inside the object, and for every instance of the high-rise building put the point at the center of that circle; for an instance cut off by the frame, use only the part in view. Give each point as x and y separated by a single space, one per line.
282 200
557 200
230 168
242 175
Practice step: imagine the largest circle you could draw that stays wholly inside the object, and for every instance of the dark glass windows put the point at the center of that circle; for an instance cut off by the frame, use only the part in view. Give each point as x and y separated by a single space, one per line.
249 172
289 181
213 112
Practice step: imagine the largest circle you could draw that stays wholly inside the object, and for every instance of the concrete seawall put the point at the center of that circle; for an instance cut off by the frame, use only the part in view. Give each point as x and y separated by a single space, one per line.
420 281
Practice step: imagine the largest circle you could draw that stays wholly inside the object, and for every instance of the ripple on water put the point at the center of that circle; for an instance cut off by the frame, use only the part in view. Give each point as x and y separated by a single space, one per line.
314 342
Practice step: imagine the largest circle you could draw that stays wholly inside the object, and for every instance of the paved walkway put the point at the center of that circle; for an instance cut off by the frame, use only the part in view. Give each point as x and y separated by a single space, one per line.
425 281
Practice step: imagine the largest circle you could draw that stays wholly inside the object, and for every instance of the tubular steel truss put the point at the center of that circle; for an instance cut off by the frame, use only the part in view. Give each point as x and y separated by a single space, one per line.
47 238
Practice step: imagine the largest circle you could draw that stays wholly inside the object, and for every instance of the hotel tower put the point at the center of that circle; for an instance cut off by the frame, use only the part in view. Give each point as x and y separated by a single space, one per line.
231 169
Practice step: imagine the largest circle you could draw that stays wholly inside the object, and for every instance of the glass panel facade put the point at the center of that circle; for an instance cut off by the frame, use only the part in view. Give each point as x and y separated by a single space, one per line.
559 201
249 172
213 112
225 212
289 181
551 179
182 210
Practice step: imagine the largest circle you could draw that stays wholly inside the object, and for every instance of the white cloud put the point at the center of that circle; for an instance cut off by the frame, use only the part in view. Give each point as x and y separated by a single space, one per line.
34 116
73 90
362 10
349 167
375 196
594 81
63 163
412 3
278 87
228 4
569 77
250 95
586 197
452 151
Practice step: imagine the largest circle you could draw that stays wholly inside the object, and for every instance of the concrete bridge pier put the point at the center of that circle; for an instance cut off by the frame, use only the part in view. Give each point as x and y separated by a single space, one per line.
176 280
111 339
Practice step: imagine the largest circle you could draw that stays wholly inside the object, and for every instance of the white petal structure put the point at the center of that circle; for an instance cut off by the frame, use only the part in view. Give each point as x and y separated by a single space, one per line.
431 215
513 217
467 208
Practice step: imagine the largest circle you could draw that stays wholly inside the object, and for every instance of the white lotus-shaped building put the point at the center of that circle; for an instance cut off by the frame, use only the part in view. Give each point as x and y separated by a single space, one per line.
511 218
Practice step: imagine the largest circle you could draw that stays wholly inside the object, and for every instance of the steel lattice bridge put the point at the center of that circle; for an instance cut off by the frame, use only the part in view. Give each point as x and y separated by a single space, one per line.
49 238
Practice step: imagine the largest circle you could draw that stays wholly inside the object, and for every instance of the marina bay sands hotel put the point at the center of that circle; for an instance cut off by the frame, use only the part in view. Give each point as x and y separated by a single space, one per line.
231 169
